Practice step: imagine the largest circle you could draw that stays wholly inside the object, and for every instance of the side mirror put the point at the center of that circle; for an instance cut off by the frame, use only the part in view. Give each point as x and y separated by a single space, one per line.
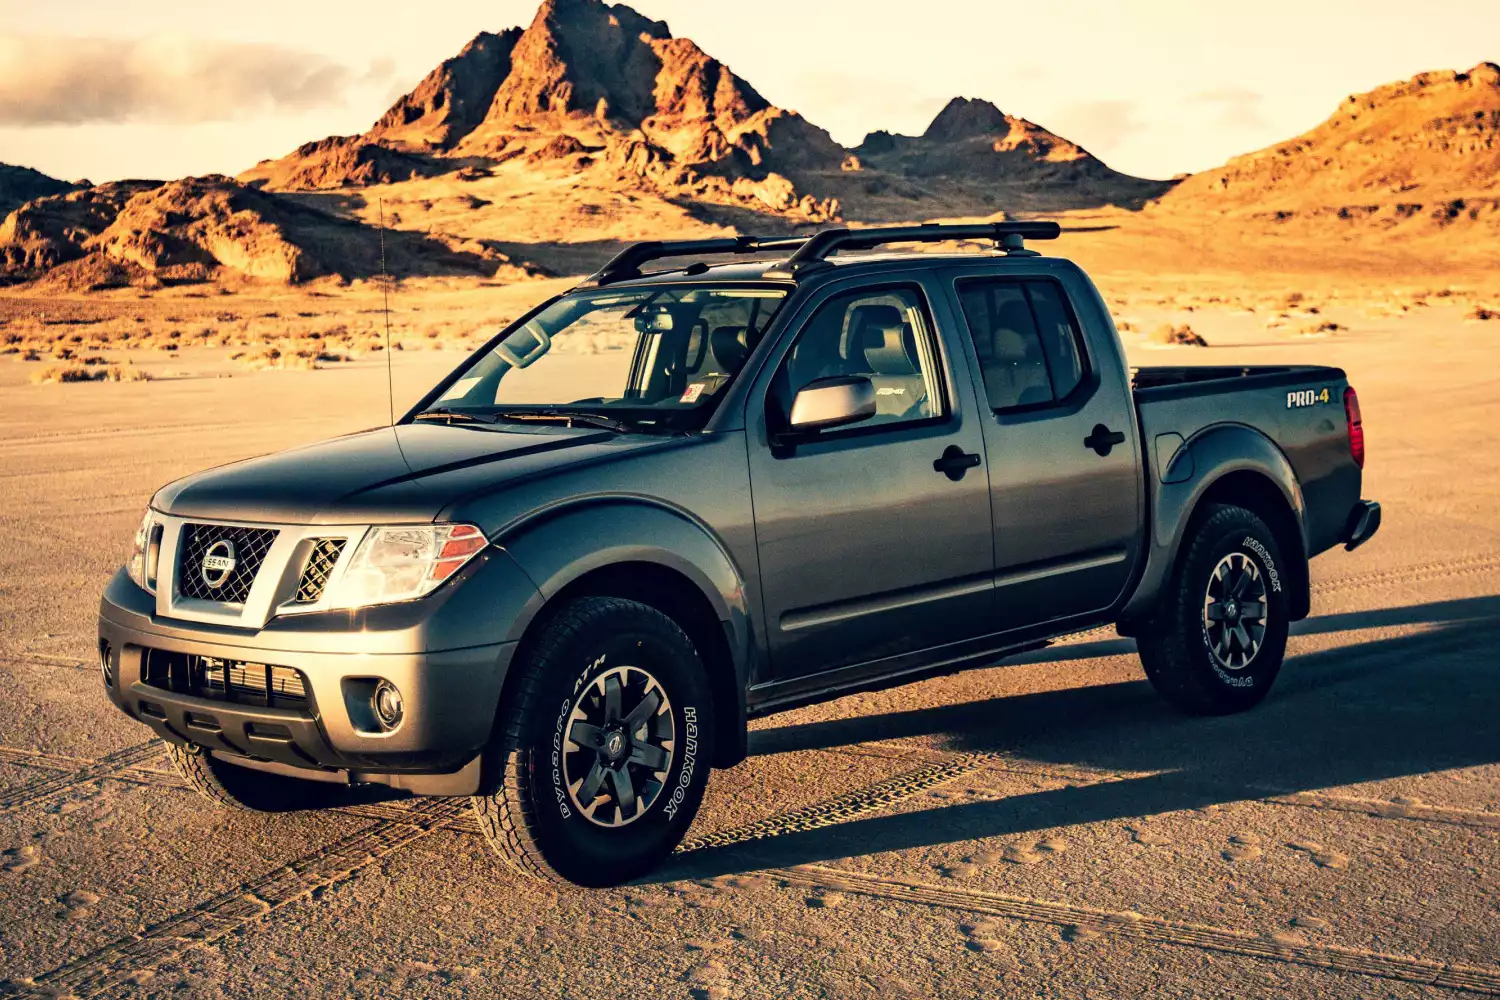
832 402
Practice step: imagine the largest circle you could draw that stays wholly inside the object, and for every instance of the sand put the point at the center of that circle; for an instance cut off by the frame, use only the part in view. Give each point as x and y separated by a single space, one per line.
1043 827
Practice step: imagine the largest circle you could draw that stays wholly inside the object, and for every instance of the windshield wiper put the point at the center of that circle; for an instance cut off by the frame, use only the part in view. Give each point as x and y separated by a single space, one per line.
453 416
570 416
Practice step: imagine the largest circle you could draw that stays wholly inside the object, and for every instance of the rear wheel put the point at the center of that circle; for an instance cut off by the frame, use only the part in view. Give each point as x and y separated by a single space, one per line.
1218 637
599 759
236 787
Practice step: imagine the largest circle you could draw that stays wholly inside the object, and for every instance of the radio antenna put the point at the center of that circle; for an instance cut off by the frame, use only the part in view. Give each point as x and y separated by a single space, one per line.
385 292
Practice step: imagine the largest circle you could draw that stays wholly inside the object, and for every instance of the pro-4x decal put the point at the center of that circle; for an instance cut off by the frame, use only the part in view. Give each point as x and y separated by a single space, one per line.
1298 398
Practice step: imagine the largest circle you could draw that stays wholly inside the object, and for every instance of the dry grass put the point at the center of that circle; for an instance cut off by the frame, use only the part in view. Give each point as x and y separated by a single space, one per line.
89 372
1178 335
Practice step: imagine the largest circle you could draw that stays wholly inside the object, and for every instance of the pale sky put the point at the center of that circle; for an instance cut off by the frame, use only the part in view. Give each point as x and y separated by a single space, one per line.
106 89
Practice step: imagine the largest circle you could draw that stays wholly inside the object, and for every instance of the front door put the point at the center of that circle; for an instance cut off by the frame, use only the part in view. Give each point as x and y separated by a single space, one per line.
867 550
1061 440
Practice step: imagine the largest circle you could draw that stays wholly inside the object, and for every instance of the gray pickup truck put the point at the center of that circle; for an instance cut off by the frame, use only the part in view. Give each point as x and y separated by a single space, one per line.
669 500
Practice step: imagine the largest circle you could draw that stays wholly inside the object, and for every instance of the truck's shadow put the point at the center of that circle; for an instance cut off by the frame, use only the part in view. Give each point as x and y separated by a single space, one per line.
1386 708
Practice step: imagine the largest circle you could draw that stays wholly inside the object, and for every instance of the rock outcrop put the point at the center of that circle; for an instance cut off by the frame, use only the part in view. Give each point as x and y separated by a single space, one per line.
975 141
200 228
19 185
452 99
1422 151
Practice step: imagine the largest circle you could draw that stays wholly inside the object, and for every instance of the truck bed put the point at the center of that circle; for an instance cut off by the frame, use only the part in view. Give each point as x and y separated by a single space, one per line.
1185 381
1299 407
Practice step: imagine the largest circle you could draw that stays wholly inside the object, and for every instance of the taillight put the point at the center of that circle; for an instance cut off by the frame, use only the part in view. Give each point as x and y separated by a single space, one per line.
1356 426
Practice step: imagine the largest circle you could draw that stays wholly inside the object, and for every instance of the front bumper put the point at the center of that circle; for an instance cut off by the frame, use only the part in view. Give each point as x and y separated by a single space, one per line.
450 695
1363 522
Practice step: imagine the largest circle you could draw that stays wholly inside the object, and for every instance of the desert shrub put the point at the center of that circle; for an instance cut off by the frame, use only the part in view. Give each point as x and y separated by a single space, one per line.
85 373
1327 326
1483 314
1178 335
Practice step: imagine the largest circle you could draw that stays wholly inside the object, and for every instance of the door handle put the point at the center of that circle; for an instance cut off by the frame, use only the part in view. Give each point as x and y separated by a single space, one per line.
955 462
1103 440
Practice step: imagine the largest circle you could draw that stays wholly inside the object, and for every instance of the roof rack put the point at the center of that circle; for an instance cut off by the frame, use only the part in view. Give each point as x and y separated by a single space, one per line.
1009 236
627 263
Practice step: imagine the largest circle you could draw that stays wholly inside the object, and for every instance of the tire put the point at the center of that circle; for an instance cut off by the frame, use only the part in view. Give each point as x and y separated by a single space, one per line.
234 787
1204 649
565 728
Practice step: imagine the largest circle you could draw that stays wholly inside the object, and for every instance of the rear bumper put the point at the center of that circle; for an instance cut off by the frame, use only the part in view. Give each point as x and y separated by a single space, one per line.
450 699
1363 522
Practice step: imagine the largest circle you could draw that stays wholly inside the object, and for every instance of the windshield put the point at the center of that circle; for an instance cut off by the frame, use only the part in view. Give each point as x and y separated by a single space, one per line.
652 358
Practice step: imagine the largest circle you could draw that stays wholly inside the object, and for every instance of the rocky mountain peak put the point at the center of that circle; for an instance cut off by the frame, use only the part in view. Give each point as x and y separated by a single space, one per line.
452 99
965 118
582 57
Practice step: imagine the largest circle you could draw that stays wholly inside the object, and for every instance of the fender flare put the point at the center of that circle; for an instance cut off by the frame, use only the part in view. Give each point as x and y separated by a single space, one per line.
560 544
1212 455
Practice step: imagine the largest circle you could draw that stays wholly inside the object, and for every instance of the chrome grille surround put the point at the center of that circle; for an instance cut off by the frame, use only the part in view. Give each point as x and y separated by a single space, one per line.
318 569
249 548
274 587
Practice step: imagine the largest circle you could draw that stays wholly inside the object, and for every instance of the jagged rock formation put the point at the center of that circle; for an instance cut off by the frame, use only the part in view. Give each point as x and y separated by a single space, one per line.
587 86
19 185
452 99
200 228
339 161
975 141
1422 151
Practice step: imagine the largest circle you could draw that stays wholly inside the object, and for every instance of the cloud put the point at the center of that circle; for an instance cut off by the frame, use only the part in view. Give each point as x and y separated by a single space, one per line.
1098 126
54 80
1238 107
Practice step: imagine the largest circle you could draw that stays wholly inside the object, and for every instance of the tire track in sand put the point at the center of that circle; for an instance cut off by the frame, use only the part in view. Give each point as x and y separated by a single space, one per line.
47 786
113 965
1156 930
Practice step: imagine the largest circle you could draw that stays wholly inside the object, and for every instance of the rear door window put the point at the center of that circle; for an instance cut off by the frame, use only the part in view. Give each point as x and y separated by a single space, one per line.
1028 344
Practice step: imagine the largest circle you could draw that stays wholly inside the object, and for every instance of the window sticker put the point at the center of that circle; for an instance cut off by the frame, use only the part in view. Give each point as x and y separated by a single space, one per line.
692 392
460 388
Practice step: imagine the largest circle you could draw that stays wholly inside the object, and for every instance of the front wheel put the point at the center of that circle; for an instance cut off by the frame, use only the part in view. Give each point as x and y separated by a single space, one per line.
1218 637
600 755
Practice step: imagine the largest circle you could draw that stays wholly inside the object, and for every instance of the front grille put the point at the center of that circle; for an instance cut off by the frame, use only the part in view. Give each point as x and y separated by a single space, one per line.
319 567
247 547
258 684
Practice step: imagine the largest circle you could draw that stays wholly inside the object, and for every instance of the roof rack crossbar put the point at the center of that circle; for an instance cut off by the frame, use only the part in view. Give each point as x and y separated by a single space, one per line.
627 263
1009 235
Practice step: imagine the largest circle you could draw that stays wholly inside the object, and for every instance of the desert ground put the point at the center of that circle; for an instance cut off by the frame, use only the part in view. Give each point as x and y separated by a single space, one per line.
1042 827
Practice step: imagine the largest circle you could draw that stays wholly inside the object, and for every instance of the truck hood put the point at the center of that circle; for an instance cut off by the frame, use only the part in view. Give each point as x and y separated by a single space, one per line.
390 475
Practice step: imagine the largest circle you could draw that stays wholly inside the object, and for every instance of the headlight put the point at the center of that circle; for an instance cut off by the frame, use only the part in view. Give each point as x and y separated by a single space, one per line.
141 566
402 564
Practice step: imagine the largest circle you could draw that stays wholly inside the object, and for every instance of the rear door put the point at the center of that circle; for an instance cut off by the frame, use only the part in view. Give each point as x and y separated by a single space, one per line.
867 550
1059 429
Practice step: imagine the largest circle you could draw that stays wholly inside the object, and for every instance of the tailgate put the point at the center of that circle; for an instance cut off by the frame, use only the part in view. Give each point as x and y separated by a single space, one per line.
1300 408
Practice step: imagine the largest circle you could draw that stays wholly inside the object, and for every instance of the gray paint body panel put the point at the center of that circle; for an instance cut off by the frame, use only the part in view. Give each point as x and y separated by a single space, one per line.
846 563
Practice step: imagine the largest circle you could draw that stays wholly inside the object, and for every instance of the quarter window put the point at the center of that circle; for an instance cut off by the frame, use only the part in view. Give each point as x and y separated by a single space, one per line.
883 335
1026 341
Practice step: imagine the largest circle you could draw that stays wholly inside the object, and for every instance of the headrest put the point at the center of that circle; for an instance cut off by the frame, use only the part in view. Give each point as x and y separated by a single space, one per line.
891 350
1010 340
727 343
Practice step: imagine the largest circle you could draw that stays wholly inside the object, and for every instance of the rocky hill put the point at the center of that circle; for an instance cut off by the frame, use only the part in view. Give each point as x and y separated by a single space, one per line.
1423 152
975 156
19 185
197 229
609 99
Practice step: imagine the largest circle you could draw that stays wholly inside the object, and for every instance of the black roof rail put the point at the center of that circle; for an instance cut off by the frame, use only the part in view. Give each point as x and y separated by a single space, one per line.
627 263
1010 236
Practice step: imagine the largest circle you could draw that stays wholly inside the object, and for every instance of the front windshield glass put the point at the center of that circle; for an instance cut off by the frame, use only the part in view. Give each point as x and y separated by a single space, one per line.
658 356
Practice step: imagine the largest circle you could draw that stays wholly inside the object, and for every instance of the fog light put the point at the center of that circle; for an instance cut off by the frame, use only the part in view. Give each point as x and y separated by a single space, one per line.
105 666
387 705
